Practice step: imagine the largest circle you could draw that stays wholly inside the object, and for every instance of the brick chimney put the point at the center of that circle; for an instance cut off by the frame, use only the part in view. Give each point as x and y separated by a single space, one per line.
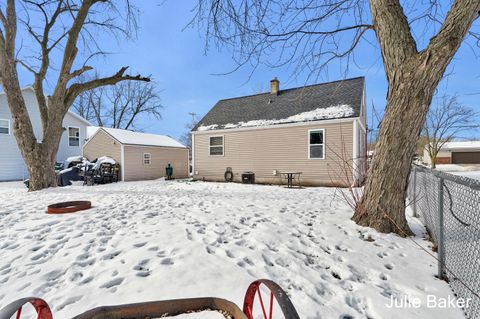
274 86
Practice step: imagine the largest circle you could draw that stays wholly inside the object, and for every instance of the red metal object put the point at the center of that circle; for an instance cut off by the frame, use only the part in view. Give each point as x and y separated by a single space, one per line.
168 308
68 207
276 294
41 307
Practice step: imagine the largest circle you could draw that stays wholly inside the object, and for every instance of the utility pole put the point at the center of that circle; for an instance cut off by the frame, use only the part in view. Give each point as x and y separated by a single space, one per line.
193 114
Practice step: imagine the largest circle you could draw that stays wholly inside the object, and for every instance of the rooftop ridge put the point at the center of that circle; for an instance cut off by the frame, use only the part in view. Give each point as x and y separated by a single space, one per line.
291 89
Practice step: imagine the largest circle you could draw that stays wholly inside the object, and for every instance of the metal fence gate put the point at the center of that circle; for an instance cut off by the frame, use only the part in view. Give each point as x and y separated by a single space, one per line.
449 206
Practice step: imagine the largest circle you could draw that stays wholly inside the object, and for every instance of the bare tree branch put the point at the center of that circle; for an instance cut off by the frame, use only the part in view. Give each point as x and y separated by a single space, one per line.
121 105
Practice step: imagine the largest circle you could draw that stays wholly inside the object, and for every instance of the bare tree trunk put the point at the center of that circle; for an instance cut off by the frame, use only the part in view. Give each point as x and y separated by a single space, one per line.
41 169
412 78
383 204
40 159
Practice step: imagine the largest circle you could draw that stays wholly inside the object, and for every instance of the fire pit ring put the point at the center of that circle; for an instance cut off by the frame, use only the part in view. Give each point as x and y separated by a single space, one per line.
68 207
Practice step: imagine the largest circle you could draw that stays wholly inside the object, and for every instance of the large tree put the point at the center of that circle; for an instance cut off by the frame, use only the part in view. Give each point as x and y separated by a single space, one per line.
446 119
309 34
60 30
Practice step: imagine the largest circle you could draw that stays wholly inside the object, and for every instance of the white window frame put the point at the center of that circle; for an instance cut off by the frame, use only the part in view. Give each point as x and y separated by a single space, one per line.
68 135
324 143
8 127
210 146
149 159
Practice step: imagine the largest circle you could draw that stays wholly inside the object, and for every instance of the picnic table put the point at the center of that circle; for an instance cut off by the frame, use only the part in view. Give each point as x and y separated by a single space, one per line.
290 177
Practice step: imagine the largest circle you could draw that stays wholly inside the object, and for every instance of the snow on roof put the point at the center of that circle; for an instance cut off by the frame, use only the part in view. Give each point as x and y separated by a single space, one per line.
332 112
467 145
136 138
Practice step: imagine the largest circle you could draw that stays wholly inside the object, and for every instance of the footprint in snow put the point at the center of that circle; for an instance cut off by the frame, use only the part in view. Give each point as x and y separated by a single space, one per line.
142 269
111 255
83 256
35 248
389 266
167 261
383 254
76 276
86 280
268 261
112 283
68 301
336 275
138 245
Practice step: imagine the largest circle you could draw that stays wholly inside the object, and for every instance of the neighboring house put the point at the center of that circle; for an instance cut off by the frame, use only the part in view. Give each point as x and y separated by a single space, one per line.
319 130
141 156
12 166
456 153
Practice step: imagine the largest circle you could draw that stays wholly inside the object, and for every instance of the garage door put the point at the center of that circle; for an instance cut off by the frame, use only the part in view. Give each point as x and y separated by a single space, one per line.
466 157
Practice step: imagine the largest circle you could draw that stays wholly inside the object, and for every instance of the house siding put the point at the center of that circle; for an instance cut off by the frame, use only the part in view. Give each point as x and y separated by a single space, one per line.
265 150
160 156
102 144
64 149
12 165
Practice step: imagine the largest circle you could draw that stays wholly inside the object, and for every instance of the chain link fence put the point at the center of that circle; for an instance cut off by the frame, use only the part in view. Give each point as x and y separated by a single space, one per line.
449 206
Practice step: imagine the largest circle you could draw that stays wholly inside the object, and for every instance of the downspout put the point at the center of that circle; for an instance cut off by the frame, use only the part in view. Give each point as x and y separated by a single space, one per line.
122 156
355 153
193 154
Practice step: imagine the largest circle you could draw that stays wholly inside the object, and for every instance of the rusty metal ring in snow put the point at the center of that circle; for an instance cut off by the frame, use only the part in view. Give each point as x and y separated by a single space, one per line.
68 207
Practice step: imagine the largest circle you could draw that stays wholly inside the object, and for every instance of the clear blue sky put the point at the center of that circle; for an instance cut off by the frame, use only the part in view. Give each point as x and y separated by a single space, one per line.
176 60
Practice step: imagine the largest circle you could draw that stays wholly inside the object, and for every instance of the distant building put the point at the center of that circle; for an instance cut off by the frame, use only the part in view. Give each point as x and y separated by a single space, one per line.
141 156
319 130
456 153
12 166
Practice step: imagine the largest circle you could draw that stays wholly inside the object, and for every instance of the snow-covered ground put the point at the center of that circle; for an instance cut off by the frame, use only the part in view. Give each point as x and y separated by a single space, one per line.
158 240
471 171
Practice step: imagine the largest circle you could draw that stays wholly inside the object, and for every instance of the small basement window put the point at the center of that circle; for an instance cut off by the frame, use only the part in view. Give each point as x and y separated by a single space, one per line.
73 136
147 158
4 126
316 144
216 145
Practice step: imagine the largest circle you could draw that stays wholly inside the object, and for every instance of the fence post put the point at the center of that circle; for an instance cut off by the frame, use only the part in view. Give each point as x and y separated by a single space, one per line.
440 239
414 196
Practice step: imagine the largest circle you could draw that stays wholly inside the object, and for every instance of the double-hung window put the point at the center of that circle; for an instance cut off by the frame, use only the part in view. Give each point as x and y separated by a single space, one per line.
316 144
147 158
216 145
4 126
73 136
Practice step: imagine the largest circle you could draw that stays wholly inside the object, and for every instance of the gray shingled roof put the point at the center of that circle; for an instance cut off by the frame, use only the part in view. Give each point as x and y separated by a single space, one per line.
287 103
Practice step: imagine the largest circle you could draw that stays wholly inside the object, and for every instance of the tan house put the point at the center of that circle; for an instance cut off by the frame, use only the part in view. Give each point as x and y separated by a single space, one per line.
318 130
466 152
141 156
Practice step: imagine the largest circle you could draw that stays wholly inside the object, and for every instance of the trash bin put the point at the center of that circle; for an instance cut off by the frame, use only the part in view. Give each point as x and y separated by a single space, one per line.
169 171
248 178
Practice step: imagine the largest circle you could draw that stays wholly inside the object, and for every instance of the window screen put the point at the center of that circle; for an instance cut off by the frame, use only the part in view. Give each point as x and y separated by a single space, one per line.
73 136
216 145
316 144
